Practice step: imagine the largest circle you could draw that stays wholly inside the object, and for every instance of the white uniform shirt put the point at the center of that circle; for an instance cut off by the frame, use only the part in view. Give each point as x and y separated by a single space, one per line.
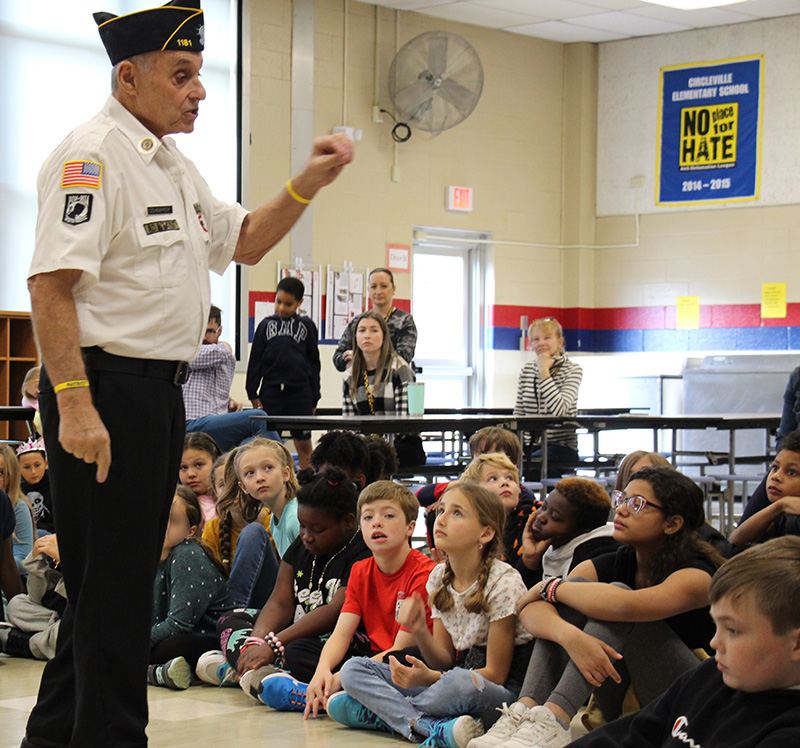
135 216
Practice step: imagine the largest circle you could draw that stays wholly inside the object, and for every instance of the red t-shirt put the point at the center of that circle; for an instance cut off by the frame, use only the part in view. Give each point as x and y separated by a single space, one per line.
372 595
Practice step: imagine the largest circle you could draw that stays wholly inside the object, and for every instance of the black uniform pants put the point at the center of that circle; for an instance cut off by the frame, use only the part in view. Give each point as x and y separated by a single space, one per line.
110 535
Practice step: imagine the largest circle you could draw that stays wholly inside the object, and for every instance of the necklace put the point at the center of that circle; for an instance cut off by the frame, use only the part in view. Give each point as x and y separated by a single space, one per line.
370 396
311 589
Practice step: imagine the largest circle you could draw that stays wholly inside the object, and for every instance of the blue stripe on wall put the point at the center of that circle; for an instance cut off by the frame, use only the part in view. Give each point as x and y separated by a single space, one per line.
629 341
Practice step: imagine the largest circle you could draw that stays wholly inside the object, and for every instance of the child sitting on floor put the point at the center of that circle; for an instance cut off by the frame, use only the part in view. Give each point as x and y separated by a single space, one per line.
569 527
189 596
649 600
35 483
377 585
293 626
221 533
25 531
749 694
36 615
782 515
200 452
470 658
496 472
346 451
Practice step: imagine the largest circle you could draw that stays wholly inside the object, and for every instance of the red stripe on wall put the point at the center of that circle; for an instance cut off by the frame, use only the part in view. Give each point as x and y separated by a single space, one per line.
645 317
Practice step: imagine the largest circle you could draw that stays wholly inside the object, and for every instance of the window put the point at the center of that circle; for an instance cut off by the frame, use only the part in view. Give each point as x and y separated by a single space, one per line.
55 74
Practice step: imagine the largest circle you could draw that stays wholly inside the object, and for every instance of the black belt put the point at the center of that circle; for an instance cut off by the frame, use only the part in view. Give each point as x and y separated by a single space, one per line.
97 359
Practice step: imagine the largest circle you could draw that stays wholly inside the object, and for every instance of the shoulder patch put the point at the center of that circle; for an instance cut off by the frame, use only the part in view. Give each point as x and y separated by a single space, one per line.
81 174
77 209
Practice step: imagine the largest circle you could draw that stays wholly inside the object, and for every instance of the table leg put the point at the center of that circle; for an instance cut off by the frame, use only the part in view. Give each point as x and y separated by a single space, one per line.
543 447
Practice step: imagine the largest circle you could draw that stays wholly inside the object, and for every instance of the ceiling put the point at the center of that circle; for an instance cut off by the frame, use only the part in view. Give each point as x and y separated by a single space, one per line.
591 20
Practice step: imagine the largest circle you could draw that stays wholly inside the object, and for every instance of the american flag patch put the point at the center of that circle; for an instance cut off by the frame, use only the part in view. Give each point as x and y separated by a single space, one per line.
81 174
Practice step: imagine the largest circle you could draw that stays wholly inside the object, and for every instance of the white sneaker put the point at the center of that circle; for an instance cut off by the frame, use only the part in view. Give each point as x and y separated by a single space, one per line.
250 681
540 729
213 668
511 717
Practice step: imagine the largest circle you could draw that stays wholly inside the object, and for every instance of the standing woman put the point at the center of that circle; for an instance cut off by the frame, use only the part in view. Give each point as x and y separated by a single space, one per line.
549 386
402 330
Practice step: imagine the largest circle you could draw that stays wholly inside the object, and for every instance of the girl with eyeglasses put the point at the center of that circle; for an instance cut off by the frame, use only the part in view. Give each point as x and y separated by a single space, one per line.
628 618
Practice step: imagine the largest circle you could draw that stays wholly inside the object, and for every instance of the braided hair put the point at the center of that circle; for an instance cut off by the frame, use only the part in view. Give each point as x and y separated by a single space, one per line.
489 511
231 494
332 492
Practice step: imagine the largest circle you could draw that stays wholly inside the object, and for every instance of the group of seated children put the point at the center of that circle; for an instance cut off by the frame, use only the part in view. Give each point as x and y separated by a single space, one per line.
311 599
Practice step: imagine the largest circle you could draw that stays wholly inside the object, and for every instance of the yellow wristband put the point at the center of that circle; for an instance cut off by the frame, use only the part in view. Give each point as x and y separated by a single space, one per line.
297 197
71 385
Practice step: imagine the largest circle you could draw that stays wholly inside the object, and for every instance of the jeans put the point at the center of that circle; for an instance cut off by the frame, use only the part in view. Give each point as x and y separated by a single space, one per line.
254 569
458 692
654 657
229 430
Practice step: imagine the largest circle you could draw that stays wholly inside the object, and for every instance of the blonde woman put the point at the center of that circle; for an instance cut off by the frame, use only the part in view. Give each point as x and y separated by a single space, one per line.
549 386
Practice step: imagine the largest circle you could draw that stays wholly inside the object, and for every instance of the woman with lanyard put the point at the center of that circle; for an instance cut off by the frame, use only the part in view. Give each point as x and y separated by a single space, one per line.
402 330
549 386
377 382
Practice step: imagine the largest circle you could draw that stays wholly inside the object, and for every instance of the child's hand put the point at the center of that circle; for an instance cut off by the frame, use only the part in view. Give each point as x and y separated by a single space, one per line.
411 614
790 504
254 657
531 596
532 549
48 545
348 358
320 687
593 658
419 674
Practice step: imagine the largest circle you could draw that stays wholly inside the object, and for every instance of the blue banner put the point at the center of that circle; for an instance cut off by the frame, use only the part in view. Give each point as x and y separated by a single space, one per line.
710 132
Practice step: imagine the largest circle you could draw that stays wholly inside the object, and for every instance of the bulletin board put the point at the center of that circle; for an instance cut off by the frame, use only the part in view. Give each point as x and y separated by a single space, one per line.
345 299
312 301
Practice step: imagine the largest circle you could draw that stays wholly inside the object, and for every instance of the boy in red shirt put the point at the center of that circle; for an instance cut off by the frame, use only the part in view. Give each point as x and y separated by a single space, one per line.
377 585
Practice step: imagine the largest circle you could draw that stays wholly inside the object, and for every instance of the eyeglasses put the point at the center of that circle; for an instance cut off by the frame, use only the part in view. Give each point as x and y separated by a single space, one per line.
635 503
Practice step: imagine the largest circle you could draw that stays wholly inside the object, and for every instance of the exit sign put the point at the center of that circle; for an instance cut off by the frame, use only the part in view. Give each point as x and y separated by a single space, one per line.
459 198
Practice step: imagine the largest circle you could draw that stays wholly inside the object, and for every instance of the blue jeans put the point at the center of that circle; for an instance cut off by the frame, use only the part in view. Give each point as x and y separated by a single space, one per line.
458 692
254 569
229 430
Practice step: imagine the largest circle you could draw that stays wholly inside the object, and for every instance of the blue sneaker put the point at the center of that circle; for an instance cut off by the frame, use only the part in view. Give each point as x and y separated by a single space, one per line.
282 692
448 733
350 712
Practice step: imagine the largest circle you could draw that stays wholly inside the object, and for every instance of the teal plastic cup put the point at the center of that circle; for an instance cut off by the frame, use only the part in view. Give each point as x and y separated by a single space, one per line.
416 398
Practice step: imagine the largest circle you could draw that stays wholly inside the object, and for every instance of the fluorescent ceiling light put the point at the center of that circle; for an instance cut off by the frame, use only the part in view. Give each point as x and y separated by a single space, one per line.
692 4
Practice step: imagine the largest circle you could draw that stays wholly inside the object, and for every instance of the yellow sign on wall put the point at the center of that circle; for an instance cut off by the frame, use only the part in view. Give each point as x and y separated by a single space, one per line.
773 300
688 313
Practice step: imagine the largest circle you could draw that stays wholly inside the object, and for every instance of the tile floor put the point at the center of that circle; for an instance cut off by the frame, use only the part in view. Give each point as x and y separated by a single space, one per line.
199 716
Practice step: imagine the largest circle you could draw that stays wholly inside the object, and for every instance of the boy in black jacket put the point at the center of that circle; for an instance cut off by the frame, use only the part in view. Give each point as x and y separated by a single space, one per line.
749 695
283 370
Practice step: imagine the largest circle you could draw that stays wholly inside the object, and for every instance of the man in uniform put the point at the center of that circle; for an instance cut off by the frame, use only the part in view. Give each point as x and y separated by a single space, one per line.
126 234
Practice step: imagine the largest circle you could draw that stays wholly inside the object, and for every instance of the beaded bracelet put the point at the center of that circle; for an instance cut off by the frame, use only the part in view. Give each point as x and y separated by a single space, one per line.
547 592
277 648
551 590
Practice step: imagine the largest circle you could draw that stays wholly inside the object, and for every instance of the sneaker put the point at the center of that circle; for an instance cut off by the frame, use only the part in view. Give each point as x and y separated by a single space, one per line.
448 733
540 729
282 692
213 668
173 674
251 680
511 717
350 712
